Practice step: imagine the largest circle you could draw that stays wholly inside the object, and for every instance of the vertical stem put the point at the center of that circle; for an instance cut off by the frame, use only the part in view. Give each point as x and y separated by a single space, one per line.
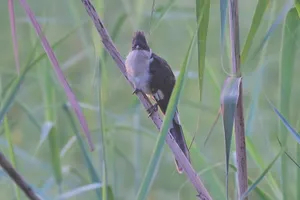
234 36
240 144
298 161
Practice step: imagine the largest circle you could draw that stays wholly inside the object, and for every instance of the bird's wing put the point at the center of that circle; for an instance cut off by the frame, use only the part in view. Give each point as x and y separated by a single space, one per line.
162 83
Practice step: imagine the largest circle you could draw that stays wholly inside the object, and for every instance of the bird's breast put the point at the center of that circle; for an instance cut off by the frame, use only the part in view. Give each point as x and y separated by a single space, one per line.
137 68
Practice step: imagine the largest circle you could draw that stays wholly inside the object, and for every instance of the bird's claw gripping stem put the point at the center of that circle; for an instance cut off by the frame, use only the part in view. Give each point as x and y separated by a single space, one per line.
152 109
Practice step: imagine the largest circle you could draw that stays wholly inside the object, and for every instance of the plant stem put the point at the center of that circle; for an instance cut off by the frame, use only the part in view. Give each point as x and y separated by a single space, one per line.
17 178
240 143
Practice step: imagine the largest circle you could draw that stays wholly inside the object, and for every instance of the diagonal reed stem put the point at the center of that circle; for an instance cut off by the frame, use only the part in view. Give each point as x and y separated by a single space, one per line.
112 50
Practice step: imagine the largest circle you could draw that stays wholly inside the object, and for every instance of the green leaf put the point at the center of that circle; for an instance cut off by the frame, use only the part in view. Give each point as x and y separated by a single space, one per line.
116 31
288 51
261 7
162 13
29 114
262 194
202 13
78 191
91 169
55 157
50 117
259 179
287 125
223 12
256 156
158 150
297 6
273 27
229 99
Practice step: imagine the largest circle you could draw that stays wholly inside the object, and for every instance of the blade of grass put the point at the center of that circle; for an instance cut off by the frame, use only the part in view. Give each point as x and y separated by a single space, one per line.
10 91
286 124
297 6
288 51
67 146
50 116
158 150
298 161
82 33
258 85
12 21
78 191
45 131
229 99
116 31
256 156
59 73
12 155
263 195
202 16
259 179
163 12
91 169
11 152
101 120
223 12
99 87
275 24
212 178
261 7
29 114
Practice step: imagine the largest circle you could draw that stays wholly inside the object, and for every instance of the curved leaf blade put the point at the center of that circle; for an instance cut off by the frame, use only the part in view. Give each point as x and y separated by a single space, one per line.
229 99
287 125
259 179
257 17
274 25
202 15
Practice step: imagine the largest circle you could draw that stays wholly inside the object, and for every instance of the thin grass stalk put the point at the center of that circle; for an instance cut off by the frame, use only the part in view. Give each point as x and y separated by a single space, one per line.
101 117
240 143
298 161
11 151
11 10
100 83
110 47
137 149
50 116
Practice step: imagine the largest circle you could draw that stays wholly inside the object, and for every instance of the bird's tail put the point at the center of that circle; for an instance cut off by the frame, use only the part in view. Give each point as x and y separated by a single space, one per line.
177 133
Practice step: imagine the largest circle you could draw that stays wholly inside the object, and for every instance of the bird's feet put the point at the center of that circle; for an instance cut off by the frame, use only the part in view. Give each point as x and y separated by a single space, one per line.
136 91
152 109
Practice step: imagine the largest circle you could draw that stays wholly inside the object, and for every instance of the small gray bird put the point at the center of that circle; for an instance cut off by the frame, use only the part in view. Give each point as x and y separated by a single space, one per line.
152 75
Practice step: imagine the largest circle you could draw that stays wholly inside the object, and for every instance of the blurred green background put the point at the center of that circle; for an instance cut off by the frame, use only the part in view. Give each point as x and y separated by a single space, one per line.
122 124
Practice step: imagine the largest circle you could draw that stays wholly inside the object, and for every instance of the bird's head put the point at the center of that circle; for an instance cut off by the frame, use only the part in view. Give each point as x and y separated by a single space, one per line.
139 41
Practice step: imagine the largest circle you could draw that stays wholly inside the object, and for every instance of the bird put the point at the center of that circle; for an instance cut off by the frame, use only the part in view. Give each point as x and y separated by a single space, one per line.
152 75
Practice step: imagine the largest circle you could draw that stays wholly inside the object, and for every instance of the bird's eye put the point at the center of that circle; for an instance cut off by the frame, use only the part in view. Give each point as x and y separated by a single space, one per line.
137 46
